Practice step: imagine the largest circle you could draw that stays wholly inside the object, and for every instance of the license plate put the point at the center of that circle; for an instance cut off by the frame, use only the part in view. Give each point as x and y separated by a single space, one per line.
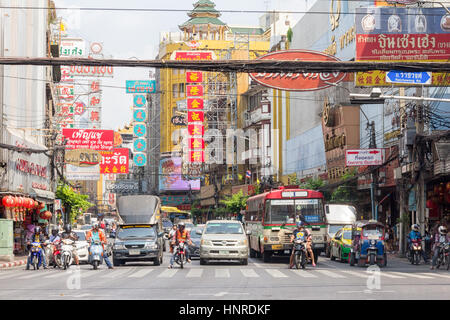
134 252
223 252
277 247
287 251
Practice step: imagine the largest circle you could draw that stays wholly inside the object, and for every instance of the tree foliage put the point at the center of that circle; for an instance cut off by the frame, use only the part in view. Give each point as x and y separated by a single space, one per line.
74 202
236 202
312 184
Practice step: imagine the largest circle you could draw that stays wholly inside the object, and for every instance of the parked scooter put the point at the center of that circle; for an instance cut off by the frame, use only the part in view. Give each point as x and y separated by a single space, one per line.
300 253
35 257
96 254
66 253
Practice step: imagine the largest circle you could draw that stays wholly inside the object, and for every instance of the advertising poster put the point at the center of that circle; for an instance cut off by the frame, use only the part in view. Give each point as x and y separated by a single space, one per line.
171 178
102 140
116 161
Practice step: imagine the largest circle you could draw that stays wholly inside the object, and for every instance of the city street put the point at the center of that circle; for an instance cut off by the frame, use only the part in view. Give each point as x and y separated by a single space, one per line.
227 281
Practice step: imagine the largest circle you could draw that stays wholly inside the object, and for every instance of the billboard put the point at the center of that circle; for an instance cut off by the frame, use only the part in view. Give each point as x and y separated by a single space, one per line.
116 161
141 86
193 55
171 179
102 140
401 34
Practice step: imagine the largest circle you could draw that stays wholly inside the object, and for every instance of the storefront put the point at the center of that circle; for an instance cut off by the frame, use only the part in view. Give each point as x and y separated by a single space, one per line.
26 190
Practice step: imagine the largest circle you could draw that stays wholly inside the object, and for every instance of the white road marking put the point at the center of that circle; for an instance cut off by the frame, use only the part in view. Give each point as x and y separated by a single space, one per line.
355 273
303 273
412 275
169 273
436 275
35 274
60 274
9 275
116 273
194 273
249 273
222 273
140 273
276 273
389 275
329 274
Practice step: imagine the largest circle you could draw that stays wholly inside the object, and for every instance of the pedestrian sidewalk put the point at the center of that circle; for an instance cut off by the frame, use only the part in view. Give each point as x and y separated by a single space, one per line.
18 261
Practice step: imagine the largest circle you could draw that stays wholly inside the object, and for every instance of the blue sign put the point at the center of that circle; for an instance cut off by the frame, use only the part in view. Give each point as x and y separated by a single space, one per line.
139 101
139 115
311 219
395 76
140 130
140 159
140 145
141 86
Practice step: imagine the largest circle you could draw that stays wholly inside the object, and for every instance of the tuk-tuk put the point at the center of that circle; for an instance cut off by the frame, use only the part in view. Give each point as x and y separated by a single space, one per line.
368 244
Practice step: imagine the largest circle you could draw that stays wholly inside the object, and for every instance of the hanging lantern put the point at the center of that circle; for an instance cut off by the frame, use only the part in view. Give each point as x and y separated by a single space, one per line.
447 187
19 202
46 215
8 201
30 203
36 204
41 205
25 203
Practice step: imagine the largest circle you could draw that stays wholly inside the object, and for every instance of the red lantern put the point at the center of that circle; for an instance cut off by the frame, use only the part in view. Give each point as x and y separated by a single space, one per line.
447 187
30 203
41 205
46 215
25 203
36 204
8 201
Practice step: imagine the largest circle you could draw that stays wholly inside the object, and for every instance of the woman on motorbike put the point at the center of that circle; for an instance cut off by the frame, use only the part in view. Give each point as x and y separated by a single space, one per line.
301 228
438 238
37 237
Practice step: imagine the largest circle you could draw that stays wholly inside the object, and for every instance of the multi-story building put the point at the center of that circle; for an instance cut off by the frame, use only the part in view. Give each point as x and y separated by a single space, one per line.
204 31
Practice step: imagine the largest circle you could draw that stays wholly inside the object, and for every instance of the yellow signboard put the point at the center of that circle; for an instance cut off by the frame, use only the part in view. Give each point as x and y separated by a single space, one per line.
377 78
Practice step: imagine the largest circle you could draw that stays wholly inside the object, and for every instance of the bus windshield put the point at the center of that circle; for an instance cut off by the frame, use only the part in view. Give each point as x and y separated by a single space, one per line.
289 211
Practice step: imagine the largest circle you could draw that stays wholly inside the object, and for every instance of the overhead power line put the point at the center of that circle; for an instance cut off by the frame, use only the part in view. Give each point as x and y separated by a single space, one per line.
243 66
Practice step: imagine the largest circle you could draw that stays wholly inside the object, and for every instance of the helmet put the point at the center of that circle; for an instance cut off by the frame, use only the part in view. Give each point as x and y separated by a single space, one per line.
181 225
415 227
95 225
54 231
68 228
442 230
299 224
37 230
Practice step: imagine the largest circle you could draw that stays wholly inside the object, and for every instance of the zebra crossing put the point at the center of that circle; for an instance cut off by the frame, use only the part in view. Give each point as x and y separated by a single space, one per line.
219 273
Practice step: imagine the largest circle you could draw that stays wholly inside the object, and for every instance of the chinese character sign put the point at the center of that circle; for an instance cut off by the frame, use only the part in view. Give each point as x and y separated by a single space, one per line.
196 116
115 162
140 159
196 129
194 77
195 103
140 130
194 91
139 101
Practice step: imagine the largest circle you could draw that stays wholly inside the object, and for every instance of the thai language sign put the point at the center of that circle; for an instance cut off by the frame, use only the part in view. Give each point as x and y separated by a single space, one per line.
193 55
305 81
87 71
141 86
116 161
367 157
94 139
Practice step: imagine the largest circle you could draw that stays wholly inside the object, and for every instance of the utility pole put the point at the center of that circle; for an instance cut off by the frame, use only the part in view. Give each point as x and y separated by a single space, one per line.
418 162
374 175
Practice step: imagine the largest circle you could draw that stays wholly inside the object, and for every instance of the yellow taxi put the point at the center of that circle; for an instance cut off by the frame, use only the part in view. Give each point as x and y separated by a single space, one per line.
341 244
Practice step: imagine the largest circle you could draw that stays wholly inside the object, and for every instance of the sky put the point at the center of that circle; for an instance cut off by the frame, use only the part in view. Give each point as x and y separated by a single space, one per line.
134 34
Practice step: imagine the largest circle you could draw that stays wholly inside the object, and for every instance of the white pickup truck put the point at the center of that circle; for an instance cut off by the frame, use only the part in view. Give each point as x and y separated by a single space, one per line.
337 216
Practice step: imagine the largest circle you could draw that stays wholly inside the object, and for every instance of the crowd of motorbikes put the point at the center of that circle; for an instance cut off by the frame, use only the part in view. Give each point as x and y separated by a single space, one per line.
60 253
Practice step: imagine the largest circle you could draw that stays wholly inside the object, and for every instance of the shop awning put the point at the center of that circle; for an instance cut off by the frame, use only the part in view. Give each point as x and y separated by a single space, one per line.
43 195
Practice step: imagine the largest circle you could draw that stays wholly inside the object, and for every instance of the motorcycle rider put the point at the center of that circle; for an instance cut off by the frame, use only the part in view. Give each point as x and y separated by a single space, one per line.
307 237
416 236
438 238
171 234
97 234
180 235
54 237
37 237
69 234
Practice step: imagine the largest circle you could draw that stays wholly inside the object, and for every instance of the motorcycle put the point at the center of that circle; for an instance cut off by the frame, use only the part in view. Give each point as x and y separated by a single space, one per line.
443 257
66 253
96 254
300 254
180 254
35 256
56 258
416 252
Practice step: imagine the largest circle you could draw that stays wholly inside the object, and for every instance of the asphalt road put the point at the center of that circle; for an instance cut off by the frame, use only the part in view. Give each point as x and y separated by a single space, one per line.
229 281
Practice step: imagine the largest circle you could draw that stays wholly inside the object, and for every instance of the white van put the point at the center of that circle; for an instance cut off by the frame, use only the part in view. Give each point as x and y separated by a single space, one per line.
337 216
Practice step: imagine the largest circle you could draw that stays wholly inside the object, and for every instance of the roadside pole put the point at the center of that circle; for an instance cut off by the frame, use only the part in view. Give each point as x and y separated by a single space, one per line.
418 161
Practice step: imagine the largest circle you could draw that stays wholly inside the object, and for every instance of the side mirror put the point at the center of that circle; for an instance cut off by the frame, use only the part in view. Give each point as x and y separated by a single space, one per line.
199 232
161 234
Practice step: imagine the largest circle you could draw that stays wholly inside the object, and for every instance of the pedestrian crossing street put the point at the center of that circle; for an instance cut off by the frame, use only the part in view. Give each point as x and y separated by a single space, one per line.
218 273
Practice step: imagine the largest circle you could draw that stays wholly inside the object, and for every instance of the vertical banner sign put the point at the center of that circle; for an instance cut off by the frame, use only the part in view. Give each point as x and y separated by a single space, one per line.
195 103
194 77
196 117
194 91
114 162
139 101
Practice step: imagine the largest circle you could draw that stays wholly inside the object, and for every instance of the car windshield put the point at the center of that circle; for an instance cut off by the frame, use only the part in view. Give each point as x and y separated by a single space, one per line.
334 228
81 235
372 231
347 235
136 232
290 211
223 228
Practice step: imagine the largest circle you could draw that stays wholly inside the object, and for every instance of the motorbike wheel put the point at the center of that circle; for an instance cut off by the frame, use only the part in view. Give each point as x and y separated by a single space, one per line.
181 260
297 260
439 260
303 263
35 263
372 260
95 264
417 258
352 259
448 262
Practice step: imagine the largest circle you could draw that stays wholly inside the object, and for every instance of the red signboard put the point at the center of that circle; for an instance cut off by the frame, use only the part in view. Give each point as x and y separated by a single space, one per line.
116 161
305 81
192 55
196 116
101 140
196 129
417 47
196 156
194 91
195 103
196 143
194 77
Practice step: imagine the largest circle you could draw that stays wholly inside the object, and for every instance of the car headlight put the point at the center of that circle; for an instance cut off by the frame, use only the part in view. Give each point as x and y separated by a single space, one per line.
373 242
206 242
119 246
151 245
243 242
